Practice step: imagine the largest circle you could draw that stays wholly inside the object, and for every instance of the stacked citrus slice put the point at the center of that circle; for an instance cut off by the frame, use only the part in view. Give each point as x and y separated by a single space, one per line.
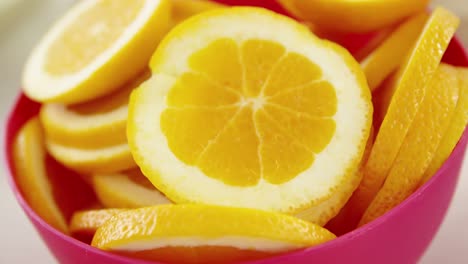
401 100
91 51
214 234
230 141
353 16
128 189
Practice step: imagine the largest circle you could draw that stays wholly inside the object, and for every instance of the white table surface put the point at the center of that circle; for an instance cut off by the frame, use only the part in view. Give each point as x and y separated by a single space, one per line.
19 243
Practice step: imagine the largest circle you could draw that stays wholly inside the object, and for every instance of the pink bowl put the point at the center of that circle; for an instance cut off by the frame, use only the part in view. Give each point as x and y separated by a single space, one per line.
400 236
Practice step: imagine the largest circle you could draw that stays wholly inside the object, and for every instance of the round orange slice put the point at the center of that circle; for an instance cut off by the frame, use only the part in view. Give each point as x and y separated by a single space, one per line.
95 124
215 234
128 189
238 115
28 157
92 160
91 50
354 16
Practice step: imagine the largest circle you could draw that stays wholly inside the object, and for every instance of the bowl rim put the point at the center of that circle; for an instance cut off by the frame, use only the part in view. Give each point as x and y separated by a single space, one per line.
36 219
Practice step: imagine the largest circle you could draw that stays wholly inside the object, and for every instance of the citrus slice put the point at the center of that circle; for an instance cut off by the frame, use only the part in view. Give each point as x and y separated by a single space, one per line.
94 124
328 209
85 223
183 9
91 50
85 160
402 98
129 189
215 234
386 58
28 158
420 144
241 116
456 127
348 217
353 16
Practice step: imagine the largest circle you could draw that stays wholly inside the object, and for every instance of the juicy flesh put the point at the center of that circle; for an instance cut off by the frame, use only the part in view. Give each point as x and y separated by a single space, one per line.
70 51
249 111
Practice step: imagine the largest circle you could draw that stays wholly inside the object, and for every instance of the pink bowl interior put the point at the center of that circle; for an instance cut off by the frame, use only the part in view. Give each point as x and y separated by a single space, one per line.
402 234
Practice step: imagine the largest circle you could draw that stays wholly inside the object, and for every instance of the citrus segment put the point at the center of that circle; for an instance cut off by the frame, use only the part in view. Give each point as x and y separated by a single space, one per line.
420 144
280 106
456 127
387 57
195 90
31 174
353 16
128 189
276 145
93 124
91 51
183 127
241 165
286 74
404 94
224 52
141 232
99 160
259 57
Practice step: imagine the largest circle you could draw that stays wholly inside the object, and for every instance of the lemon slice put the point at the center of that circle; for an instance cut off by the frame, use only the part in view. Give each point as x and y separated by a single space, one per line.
457 124
401 99
129 189
94 124
214 235
95 48
84 160
85 223
340 216
353 16
31 175
386 58
242 116
420 144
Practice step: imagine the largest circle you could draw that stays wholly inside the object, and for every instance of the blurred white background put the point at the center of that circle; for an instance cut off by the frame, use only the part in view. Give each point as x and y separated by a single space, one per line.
22 22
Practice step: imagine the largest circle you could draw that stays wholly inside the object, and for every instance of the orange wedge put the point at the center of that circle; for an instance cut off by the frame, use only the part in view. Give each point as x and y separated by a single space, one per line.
456 127
31 175
420 144
129 189
353 16
386 58
402 99
91 51
85 160
238 115
214 235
